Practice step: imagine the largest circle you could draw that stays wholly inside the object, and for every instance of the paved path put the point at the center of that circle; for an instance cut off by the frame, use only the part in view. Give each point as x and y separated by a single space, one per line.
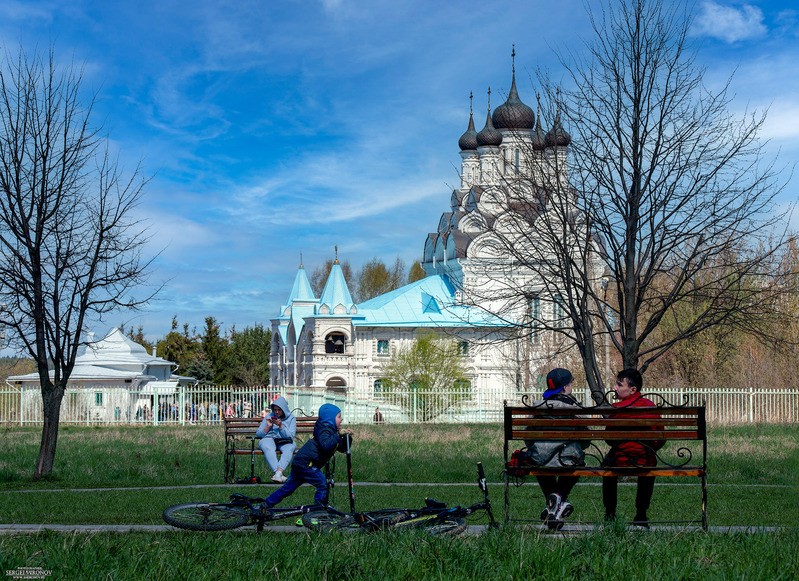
343 484
567 531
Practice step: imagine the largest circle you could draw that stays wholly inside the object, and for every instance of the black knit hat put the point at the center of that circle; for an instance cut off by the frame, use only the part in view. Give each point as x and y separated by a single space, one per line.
557 379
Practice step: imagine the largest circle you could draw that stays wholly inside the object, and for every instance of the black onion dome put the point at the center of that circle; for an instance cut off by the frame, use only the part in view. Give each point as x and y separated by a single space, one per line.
488 135
513 114
468 140
557 136
539 139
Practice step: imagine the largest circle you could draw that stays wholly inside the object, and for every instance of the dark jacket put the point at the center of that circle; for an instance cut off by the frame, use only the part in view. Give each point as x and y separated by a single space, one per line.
325 441
556 454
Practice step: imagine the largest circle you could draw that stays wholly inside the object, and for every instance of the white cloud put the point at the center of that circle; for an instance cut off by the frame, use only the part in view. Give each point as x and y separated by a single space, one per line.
729 23
782 121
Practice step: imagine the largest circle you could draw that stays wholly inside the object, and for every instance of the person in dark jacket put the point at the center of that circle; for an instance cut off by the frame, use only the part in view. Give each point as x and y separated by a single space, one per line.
313 455
556 454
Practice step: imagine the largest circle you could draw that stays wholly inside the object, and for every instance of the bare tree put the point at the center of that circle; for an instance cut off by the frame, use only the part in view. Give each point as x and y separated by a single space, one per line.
659 197
70 250
375 278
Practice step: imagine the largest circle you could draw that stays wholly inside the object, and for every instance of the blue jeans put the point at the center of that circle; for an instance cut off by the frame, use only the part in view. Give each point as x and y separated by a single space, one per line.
300 475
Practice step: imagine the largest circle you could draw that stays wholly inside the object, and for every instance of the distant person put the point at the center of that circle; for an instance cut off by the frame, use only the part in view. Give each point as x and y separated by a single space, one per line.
277 431
557 454
378 417
312 457
629 383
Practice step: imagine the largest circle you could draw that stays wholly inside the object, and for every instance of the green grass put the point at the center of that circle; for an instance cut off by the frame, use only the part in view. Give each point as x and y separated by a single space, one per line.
753 475
506 554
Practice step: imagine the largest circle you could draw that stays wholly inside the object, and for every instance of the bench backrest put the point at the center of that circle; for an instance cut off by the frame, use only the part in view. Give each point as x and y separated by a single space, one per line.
246 427
547 423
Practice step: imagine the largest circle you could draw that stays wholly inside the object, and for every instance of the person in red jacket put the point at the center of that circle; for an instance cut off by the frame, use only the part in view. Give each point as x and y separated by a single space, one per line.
631 453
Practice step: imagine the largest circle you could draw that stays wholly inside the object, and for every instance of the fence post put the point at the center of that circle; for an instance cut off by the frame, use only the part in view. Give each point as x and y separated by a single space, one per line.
414 405
751 404
182 399
156 406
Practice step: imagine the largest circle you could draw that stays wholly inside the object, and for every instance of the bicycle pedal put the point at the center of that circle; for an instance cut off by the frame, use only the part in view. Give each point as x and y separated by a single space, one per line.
298 522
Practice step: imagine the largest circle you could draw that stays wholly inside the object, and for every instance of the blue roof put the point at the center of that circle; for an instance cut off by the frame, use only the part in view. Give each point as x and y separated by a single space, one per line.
302 288
429 302
336 291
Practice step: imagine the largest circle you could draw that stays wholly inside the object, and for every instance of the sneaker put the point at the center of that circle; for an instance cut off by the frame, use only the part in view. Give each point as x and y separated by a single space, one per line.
565 508
278 477
641 521
553 501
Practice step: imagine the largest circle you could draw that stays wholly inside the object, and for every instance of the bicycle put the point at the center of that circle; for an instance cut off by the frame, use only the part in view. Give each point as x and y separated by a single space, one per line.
241 510
435 518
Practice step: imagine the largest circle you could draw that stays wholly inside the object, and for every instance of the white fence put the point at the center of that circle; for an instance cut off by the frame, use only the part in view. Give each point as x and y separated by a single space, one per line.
207 405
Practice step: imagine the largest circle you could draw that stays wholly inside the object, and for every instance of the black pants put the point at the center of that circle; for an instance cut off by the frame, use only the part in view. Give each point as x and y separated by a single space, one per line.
643 495
561 485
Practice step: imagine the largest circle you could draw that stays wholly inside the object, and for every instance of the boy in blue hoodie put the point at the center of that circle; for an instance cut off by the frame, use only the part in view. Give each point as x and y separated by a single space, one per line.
313 455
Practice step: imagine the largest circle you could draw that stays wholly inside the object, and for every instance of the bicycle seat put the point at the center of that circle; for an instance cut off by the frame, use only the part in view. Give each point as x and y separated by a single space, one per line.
433 503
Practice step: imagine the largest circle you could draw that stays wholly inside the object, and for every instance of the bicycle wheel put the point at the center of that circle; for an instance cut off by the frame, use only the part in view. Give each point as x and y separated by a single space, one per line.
323 522
449 526
207 516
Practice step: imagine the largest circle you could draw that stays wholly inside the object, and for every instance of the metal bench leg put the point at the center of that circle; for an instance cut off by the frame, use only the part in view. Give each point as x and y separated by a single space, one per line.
507 499
704 502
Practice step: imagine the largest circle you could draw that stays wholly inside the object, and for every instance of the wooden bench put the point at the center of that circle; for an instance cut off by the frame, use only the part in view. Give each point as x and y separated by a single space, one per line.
240 439
682 427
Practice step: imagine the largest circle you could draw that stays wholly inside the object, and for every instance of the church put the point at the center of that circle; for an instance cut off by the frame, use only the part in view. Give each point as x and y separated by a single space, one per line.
331 343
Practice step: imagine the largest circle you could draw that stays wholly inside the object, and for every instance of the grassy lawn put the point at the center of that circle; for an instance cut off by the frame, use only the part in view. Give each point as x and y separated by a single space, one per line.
753 476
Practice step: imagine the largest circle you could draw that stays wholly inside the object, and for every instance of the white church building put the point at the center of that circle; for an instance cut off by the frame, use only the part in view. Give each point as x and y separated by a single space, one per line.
331 343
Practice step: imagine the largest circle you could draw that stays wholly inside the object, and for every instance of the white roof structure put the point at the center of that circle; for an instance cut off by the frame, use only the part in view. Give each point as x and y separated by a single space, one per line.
115 360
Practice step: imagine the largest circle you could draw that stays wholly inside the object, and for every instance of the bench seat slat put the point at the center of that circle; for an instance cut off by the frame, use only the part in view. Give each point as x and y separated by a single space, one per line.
619 471
605 435
596 421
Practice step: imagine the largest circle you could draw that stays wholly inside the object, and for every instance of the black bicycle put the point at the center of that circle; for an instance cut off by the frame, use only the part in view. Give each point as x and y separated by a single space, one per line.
434 518
237 512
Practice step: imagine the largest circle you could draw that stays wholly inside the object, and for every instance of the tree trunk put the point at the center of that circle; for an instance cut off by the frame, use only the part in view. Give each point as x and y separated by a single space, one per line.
51 399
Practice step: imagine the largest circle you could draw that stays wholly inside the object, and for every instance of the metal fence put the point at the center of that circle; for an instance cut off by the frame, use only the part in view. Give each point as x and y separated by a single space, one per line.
208 404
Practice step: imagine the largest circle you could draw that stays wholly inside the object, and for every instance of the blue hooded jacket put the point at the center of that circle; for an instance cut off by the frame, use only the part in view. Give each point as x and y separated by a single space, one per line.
319 449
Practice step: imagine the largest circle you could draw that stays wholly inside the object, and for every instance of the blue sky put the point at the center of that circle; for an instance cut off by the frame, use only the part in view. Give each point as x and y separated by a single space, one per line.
278 127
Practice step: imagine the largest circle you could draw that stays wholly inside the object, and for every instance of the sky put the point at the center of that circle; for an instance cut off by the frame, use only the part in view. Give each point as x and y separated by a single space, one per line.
278 129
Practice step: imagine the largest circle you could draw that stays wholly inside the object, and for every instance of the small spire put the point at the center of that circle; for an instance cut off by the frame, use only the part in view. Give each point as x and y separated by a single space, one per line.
471 100
336 249
301 266
513 59
489 99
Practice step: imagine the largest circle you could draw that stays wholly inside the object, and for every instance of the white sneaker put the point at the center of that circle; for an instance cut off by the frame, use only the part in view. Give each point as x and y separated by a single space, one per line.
553 501
278 477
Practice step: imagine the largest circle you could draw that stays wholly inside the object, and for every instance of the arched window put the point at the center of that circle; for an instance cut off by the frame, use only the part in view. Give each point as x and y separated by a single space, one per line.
334 343
336 382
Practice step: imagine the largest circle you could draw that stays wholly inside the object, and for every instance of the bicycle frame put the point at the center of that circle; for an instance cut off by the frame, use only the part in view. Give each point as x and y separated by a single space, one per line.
435 511
432 514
